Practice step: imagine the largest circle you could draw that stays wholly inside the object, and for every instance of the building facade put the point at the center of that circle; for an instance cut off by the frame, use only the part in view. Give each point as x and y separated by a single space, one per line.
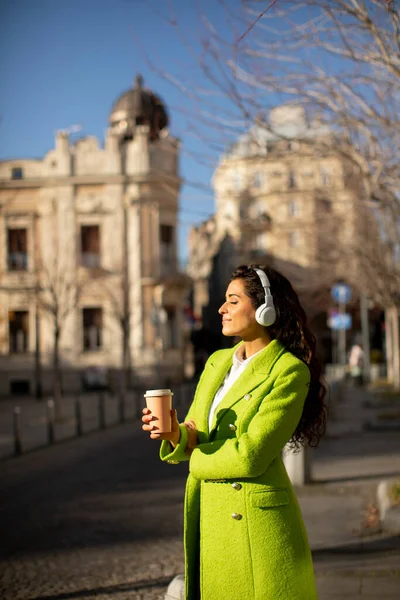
89 256
284 196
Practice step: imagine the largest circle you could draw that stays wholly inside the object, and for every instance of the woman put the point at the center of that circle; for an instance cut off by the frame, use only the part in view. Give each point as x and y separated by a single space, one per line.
244 535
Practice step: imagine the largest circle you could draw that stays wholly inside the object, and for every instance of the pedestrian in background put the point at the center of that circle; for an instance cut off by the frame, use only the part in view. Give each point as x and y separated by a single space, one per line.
356 364
244 535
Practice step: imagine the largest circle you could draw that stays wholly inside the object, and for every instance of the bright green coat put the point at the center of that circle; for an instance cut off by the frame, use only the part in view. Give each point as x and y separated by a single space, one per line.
244 535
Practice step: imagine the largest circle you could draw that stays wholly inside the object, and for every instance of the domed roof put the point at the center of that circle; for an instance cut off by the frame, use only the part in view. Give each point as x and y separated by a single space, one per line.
138 106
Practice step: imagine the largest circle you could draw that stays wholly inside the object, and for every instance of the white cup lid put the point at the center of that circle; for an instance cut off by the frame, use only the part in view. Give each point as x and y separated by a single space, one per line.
158 393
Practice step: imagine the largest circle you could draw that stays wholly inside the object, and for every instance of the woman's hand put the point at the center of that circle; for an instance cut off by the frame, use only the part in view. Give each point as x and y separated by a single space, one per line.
172 436
193 436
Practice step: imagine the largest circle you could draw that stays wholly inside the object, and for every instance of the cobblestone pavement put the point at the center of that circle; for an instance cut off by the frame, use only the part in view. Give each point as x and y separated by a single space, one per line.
101 517
96 517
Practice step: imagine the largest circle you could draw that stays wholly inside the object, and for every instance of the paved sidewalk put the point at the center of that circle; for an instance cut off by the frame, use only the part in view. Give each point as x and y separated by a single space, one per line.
352 560
87 519
33 418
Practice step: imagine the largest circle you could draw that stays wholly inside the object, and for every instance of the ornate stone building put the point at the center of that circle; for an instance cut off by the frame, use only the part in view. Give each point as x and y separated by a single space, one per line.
88 260
285 196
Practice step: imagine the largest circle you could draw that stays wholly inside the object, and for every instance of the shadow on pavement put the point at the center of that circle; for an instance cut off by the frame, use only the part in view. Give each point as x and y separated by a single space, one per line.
114 589
360 547
366 477
109 489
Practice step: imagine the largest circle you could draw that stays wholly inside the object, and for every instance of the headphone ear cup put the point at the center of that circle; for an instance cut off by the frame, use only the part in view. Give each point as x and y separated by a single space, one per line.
265 315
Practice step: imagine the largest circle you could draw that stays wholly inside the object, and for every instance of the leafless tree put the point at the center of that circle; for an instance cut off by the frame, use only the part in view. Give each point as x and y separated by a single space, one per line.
339 59
118 297
57 296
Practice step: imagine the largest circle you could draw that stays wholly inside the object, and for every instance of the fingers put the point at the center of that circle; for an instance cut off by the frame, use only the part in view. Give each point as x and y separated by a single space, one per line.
146 411
149 427
174 420
148 418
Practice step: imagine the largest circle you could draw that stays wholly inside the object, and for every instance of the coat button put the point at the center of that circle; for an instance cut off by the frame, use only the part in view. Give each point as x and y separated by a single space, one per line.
232 427
237 486
247 397
236 516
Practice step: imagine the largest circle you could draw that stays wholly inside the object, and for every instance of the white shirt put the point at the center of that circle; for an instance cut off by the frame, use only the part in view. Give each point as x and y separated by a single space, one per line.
239 363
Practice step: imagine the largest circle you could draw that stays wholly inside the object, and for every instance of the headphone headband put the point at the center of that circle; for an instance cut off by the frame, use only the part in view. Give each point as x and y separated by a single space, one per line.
265 314
263 277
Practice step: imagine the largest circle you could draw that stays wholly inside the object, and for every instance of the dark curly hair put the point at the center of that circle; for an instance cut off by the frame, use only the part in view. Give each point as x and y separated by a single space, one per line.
291 329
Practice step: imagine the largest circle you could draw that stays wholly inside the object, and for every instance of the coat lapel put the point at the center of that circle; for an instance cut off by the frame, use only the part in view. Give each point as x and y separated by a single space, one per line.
253 375
217 369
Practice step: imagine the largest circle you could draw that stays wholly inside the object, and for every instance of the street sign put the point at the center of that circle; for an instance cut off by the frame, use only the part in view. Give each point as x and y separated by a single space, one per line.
340 321
341 292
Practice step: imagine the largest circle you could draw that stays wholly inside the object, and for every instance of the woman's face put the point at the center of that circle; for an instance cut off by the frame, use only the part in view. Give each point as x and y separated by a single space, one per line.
238 313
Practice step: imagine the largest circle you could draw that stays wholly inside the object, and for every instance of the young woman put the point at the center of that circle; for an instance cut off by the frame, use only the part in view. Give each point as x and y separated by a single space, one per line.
244 535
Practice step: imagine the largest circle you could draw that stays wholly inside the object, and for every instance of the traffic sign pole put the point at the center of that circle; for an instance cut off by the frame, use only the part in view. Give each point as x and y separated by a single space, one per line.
365 337
342 336
341 293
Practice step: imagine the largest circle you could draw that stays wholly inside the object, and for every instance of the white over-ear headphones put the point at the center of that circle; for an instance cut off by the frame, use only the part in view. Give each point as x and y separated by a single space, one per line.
265 314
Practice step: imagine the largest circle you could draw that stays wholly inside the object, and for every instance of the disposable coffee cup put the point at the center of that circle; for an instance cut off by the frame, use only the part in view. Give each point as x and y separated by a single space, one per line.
160 404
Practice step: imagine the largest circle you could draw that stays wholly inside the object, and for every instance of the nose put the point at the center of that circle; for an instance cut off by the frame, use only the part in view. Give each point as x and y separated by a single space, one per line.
222 309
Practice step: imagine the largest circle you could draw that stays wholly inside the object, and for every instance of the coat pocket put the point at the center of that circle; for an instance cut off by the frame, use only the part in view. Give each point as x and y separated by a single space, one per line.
269 498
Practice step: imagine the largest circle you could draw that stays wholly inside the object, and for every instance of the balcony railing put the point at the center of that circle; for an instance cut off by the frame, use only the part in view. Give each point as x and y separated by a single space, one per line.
17 261
18 342
92 338
90 260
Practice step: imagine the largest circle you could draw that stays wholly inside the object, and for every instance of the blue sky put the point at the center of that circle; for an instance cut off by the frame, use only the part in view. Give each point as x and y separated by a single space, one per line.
65 62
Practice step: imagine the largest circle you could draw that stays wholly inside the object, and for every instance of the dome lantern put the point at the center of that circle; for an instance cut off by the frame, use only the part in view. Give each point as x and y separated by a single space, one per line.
138 106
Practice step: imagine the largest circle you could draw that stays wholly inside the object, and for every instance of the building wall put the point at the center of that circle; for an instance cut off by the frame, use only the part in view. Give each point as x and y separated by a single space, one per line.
128 192
290 202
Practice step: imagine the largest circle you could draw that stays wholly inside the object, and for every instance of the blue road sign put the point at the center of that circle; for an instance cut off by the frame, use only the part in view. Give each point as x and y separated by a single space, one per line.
341 292
340 321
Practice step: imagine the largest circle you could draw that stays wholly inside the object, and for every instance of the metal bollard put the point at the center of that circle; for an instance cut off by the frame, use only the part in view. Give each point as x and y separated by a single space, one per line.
78 417
177 398
137 404
17 430
121 408
176 588
102 412
298 465
50 421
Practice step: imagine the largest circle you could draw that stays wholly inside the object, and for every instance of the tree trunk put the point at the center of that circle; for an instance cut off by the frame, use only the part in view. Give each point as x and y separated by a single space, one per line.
126 362
38 363
393 345
57 390
396 349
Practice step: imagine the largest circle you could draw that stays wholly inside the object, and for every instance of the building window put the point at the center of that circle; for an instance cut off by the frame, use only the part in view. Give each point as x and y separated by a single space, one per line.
258 209
92 329
294 239
167 249
18 331
17 173
292 180
17 249
257 180
90 246
237 181
260 242
326 205
293 208
171 333
325 177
